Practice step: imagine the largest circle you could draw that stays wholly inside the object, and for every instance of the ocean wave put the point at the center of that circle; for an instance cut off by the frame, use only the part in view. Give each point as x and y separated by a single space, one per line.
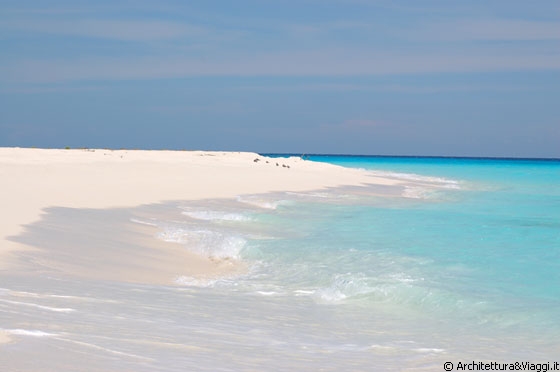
416 192
202 282
397 288
190 281
19 294
342 287
260 202
209 215
42 307
208 243
267 293
142 222
26 332
439 181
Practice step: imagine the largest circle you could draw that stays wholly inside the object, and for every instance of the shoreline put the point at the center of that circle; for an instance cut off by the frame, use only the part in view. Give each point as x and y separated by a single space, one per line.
37 179
109 244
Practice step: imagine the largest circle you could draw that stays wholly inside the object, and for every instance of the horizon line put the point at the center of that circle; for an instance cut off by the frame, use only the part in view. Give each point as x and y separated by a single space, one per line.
409 156
298 154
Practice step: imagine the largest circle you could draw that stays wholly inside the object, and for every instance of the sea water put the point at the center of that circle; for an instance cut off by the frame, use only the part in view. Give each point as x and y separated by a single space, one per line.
460 264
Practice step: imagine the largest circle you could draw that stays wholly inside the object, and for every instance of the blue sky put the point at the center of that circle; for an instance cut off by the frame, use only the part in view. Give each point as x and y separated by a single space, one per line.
473 78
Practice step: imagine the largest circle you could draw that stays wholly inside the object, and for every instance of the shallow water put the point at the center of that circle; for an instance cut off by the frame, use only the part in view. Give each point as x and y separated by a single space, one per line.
460 264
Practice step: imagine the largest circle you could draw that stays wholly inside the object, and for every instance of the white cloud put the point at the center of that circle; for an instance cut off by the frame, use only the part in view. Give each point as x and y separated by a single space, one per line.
326 62
487 30
245 52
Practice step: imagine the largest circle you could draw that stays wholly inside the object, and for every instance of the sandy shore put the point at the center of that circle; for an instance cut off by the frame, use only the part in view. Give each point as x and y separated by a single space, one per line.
4 337
34 179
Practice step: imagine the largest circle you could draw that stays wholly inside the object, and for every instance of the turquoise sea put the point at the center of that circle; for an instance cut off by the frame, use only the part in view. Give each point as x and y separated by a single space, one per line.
478 259
462 264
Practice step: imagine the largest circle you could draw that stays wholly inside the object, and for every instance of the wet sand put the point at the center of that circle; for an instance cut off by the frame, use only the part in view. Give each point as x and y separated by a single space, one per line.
37 179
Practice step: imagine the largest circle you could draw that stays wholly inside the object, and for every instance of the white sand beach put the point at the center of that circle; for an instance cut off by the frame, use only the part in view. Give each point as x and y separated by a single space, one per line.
34 179
205 261
4 337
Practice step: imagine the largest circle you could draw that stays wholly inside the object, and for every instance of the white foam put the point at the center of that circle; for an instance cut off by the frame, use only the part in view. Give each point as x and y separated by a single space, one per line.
429 350
68 297
440 181
13 293
42 307
208 243
414 192
190 281
267 293
349 285
404 278
32 333
207 215
383 348
141 222
110 351
20 293
322 195
344 286
331 295
259 202
196 282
